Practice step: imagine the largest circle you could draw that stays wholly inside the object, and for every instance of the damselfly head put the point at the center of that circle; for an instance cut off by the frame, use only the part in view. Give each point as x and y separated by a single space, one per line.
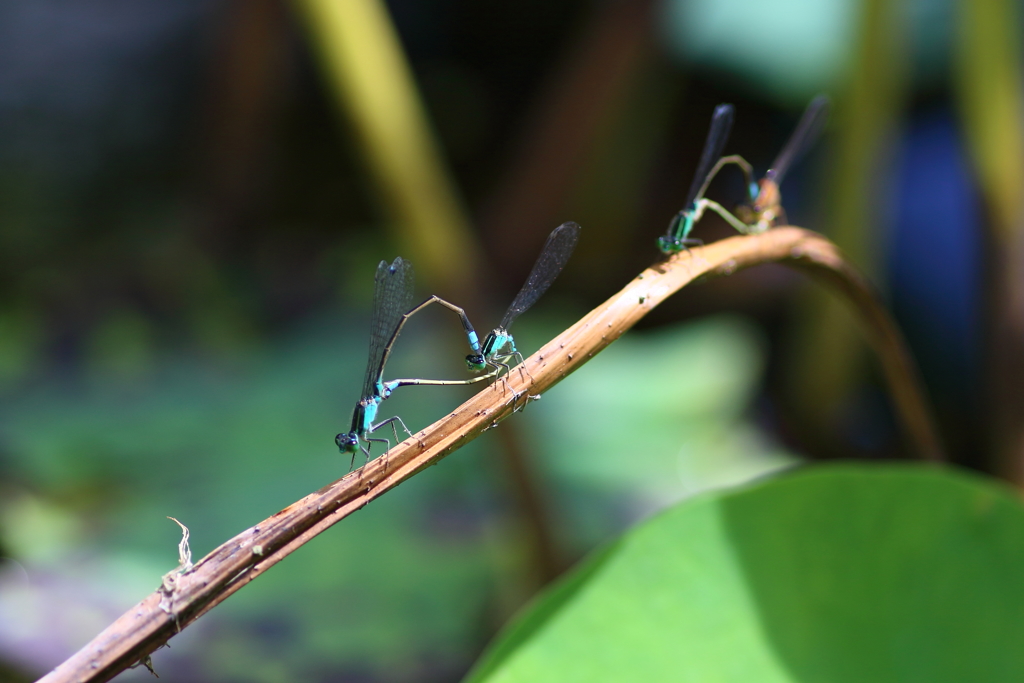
669 244
768 195
347 442
475 362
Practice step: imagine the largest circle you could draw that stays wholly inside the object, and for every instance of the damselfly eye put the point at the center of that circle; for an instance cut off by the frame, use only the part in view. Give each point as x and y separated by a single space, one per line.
475 361
347 443
669 245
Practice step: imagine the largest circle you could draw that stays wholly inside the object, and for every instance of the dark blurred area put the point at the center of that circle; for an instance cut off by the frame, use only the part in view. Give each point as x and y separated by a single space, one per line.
189 228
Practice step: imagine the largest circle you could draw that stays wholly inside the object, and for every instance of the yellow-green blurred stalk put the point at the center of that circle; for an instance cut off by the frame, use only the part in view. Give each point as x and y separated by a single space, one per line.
988 82
363 61
830 350
991 104
367 70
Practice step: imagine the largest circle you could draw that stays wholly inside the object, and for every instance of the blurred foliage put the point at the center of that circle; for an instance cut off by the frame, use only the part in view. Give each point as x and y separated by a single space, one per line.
670 410
831 351
365 66
788 50
187 239
219 450
991 102
840 573
20 332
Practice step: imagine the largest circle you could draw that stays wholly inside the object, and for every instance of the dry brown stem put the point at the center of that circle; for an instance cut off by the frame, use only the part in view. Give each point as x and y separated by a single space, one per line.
235 563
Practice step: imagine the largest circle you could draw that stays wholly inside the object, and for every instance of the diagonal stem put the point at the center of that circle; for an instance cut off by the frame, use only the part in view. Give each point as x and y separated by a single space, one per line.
186 596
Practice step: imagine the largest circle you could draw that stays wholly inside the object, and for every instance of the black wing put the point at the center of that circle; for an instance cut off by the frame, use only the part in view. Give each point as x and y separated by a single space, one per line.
806 131
718 134
557 250
392 296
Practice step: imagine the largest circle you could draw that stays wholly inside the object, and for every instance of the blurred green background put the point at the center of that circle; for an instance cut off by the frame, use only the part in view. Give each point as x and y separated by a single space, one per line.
193 200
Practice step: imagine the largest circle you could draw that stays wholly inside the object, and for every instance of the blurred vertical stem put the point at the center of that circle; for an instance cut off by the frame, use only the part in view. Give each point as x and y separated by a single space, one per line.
587 94
366 66
831 353
988 82
364 63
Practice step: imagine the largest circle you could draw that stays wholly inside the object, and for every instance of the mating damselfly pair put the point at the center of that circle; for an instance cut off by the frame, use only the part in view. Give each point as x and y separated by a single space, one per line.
392 308
764 204
392 299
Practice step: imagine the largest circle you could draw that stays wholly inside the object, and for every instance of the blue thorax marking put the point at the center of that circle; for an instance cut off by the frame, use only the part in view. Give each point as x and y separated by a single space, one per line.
370 411
510 344
364 414
357 419
496 343
687 223
682 222
488 349
673 226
